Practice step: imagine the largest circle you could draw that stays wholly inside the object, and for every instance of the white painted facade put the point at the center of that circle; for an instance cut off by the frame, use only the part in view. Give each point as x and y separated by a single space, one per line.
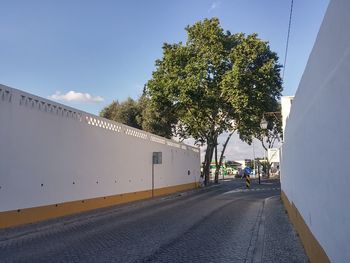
51 153
316 145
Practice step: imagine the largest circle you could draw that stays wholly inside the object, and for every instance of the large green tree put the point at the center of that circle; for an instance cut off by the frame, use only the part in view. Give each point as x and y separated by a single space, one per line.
214 83
158 121
253 87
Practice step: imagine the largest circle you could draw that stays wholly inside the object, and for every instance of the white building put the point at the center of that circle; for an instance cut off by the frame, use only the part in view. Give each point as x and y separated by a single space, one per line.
314 179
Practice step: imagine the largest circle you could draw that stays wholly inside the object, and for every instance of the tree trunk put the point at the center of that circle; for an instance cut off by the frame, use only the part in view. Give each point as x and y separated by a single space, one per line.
218 165
268 166
207 160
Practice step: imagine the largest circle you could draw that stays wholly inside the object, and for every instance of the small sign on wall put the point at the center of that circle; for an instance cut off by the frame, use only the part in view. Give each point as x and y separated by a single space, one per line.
157 158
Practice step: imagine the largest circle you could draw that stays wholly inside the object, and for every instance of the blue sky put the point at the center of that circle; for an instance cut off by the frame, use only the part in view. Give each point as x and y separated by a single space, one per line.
105 50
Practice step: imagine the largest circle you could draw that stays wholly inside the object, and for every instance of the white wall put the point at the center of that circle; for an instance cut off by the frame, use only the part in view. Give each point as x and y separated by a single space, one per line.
286 104
316 150
46 146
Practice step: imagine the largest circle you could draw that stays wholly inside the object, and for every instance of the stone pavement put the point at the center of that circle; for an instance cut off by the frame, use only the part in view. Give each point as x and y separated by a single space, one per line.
281 242
224 223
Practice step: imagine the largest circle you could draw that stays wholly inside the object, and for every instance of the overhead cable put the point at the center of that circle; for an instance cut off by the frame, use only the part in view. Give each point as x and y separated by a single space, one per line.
287 43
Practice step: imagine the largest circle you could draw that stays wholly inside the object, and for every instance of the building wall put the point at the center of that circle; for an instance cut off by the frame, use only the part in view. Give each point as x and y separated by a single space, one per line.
316 148
53 154
286 104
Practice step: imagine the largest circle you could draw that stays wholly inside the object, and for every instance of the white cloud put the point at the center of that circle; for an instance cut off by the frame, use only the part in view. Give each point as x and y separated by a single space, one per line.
73 96
214 5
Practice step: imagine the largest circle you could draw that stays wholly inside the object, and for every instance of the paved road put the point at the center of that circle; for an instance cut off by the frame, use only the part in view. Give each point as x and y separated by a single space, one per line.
222 223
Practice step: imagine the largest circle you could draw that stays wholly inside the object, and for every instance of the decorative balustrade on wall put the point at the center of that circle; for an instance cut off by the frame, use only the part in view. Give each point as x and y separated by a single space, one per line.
56 160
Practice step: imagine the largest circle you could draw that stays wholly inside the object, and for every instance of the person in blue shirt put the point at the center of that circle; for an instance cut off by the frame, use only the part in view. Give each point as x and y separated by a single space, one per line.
247 171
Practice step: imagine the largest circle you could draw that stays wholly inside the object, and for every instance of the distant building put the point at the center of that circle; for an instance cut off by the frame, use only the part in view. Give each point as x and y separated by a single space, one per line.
244 163
228 169
273 156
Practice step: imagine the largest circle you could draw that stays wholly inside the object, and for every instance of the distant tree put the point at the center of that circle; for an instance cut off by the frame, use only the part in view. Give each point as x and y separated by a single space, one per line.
127 112
216 82
141 114
109 112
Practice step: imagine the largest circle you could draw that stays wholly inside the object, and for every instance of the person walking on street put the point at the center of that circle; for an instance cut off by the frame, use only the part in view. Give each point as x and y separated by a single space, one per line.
247 172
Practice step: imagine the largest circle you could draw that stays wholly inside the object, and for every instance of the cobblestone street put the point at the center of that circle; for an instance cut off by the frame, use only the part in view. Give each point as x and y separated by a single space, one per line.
224 223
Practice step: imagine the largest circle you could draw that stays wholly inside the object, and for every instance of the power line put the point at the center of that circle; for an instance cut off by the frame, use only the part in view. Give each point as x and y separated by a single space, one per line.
287 43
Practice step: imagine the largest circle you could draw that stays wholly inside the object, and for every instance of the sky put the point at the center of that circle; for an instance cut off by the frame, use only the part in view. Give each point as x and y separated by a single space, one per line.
87 53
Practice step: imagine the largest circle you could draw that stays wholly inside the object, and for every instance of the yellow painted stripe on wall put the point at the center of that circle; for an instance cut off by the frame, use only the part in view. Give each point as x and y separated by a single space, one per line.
312 247
35 214
173 189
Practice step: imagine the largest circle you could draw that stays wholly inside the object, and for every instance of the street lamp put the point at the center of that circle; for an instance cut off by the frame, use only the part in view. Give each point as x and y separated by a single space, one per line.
263 123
